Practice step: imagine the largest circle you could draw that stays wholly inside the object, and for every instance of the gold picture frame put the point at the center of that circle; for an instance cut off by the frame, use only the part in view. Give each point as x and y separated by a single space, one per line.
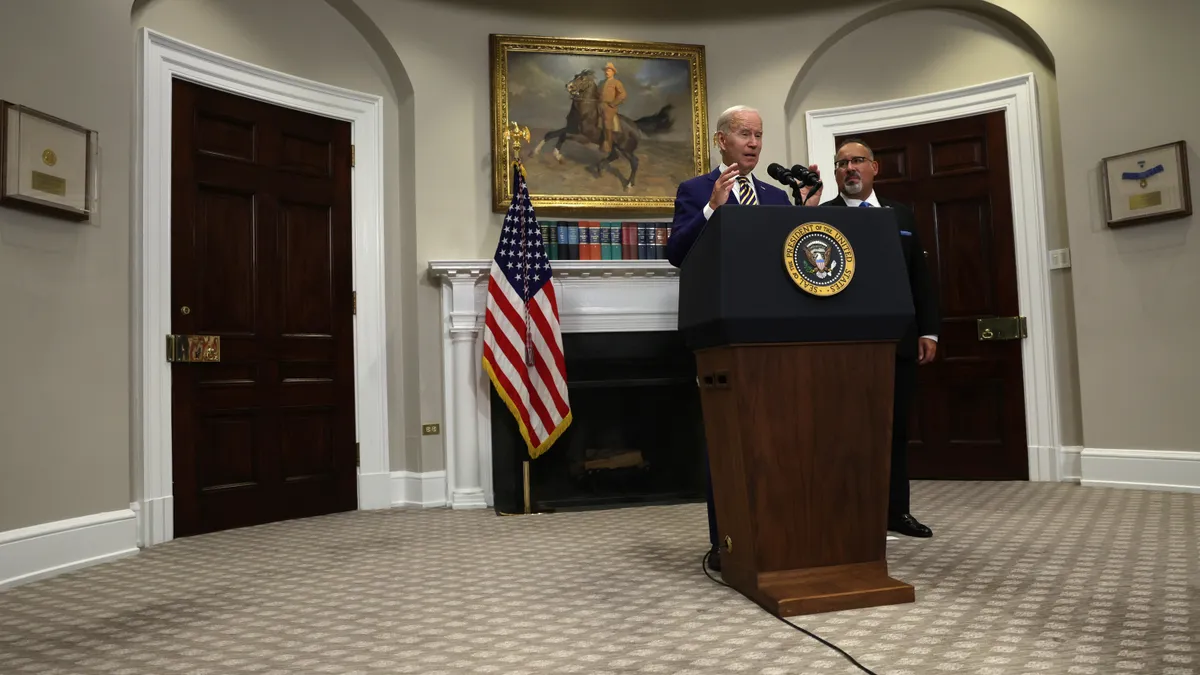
556 87
47 165
1146 186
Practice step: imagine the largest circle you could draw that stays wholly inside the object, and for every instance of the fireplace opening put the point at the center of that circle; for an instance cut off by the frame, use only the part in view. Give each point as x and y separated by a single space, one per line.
637 435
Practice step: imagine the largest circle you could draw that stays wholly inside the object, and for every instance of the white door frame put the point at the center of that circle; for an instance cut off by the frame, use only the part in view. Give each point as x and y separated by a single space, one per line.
1017 97
160 60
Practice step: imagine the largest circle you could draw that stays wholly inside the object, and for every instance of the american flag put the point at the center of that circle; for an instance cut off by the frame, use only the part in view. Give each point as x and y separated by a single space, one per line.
522 341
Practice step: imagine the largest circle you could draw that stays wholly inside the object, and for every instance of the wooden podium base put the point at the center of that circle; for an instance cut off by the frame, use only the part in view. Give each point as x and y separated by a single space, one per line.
824 589
799 444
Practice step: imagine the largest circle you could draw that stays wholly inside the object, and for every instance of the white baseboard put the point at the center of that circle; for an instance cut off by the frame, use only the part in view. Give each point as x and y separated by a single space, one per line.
374 490
1165 470
1069 463
427 489
45 550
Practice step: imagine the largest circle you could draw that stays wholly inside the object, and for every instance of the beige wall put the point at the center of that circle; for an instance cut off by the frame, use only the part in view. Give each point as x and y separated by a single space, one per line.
931 50
64 410
64 287
1136 313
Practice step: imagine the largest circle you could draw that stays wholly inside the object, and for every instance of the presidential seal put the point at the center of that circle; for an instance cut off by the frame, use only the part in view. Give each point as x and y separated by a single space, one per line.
819 258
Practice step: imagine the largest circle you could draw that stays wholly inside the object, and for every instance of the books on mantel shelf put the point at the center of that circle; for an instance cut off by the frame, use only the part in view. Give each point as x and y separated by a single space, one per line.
605 240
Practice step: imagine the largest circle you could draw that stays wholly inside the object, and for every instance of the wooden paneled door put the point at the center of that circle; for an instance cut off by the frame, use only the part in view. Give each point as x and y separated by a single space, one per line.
968 418
261 258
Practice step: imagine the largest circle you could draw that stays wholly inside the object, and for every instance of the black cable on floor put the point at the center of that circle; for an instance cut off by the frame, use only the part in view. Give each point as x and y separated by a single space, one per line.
818 638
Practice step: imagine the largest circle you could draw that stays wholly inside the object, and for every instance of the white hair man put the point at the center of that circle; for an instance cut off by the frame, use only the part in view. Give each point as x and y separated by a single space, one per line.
738 135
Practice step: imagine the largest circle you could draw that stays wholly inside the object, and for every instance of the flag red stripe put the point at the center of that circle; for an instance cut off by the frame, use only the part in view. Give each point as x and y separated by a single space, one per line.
539 321
506 385
516 354
553 391
546 311
553 379
513 356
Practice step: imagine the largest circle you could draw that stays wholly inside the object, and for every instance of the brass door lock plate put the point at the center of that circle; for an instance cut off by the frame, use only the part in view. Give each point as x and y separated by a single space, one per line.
1001 328
193 348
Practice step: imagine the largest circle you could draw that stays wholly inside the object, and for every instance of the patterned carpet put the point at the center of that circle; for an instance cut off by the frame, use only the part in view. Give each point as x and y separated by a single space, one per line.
1019 578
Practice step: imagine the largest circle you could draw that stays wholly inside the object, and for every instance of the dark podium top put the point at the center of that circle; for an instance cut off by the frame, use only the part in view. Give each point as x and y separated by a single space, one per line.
734 286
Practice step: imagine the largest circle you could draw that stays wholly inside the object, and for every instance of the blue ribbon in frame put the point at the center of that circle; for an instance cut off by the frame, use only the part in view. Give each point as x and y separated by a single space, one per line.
1143 175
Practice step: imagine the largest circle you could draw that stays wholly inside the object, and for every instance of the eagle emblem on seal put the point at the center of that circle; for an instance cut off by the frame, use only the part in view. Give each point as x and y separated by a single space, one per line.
819 258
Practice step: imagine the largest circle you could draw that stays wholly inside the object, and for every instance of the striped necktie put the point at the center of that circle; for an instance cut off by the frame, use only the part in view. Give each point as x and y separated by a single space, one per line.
745 194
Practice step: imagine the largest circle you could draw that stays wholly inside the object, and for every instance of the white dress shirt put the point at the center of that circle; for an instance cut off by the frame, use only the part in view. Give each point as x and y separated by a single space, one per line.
874 201
871 199
708 209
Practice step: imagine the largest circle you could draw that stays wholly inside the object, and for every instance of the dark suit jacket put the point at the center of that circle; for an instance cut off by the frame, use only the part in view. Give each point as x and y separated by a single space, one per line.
928 319
691 197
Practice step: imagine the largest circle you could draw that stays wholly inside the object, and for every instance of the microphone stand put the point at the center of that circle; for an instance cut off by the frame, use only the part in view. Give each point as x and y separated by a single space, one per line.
796 192
815 189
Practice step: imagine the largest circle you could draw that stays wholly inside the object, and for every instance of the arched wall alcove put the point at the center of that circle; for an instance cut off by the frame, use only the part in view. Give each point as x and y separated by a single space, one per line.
913 47
916 48
334 42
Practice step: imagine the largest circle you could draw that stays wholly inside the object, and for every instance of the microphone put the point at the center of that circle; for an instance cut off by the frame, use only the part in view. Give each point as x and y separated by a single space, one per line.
782 175
806 177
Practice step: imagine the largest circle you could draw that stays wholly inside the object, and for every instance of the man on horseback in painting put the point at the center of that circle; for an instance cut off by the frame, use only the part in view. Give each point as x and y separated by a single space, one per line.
612 95
594 119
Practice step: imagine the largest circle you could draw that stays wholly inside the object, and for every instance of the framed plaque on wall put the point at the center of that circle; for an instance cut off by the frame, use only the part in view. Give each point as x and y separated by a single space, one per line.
47 165
1147 185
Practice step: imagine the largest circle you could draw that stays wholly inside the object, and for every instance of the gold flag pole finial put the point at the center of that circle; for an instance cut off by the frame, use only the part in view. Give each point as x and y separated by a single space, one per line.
514 136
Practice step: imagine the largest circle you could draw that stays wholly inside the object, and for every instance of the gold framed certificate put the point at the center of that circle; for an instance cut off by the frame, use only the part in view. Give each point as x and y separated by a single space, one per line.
1147 185
47 164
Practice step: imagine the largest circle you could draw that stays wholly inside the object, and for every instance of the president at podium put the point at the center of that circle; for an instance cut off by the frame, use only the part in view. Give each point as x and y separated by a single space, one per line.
739 138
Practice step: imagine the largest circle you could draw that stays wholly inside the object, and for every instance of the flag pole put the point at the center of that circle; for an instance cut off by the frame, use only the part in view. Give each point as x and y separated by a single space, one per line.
525 470
514 136
536 379
513 146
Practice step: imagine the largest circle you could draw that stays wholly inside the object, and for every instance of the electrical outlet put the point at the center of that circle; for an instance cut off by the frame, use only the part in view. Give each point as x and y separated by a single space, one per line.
431 429
1060 258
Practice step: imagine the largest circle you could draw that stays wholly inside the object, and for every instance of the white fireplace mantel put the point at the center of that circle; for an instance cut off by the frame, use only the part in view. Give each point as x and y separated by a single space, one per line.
593 296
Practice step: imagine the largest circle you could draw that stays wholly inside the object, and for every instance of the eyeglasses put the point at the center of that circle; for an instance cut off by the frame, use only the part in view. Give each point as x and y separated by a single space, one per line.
856 161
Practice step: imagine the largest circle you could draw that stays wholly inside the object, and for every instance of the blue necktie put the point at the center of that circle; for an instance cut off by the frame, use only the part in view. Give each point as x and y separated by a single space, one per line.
864 205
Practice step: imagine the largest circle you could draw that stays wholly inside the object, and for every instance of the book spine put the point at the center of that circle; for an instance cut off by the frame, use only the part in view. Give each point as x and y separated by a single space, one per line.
558 237
605 241
595 227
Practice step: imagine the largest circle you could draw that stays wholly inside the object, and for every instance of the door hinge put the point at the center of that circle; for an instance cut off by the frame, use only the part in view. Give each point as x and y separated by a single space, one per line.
354 303
351 155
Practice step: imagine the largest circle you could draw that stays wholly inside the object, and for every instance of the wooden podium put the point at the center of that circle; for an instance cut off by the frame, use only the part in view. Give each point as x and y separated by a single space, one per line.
796 389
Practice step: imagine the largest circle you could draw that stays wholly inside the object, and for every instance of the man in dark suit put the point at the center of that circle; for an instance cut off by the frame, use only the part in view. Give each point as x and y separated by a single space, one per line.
739 137
855 169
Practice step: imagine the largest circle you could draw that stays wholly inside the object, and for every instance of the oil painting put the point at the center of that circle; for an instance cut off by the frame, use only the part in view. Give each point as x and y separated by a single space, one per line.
614 126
